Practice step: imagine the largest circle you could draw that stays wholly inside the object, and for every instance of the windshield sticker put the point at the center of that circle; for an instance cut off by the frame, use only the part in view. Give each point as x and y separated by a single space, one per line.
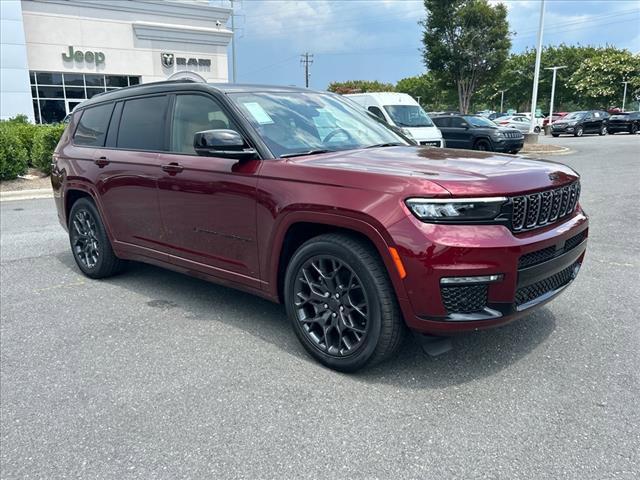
258 113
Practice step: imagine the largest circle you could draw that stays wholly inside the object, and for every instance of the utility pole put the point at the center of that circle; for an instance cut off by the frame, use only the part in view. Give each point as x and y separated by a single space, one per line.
306 59
624 95
553 90
233 44
501 99
536 76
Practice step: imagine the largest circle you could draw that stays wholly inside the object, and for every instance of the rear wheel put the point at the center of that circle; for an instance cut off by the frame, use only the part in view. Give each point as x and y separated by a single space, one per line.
579 132
341 303
482 145
536 129
633 129
603 130
89 242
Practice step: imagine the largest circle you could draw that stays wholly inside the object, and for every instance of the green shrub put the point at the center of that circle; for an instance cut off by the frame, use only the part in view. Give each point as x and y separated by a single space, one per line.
44 143
14 155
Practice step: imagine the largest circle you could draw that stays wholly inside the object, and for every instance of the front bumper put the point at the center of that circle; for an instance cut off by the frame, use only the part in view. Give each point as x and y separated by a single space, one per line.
509 145
563 128
535 267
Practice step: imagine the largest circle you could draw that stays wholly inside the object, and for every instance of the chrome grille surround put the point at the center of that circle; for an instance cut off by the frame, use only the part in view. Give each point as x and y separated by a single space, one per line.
543 208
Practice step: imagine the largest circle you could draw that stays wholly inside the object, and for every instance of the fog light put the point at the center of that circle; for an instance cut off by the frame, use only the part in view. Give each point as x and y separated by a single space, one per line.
467 280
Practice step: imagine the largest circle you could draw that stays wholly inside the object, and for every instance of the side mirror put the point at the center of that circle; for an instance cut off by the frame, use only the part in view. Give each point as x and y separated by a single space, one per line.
222 143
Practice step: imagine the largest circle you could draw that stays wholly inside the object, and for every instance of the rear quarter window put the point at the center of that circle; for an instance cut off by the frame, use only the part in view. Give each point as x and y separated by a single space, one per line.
93 125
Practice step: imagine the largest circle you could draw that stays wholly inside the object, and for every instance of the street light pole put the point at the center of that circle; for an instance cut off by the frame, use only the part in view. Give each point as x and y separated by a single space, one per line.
553 90
233 44
624 95
534 96
501 99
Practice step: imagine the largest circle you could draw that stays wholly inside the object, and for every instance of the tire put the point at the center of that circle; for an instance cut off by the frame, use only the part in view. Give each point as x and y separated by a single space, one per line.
603 130
90 245
536 129
555 135
579 132
353 275
483 145
633 129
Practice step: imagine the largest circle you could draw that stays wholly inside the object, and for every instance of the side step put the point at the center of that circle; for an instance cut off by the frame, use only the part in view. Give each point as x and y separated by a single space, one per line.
433 346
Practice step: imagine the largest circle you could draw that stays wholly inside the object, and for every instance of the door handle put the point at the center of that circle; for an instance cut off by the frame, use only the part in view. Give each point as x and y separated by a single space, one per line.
172 168
101 162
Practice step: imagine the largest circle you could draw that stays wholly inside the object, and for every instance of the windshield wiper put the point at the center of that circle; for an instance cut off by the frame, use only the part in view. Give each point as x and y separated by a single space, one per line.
308 152
388 144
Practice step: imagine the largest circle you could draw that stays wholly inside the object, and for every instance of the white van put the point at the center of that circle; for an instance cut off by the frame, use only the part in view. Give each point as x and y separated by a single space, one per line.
401 110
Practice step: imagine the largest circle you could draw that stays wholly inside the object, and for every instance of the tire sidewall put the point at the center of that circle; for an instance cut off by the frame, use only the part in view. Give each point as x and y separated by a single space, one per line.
366 351
579 131
89 206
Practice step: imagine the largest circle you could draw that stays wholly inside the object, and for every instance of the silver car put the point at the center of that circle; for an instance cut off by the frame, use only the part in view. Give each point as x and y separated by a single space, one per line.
520 122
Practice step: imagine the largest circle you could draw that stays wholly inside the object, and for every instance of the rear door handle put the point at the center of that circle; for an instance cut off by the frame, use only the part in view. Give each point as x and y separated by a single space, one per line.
101 162
172 168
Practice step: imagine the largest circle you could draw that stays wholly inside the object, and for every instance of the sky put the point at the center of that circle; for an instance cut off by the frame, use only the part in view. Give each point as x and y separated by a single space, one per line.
381 39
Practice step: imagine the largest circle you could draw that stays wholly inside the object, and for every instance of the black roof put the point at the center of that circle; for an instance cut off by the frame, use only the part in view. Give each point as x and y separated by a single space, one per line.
169 85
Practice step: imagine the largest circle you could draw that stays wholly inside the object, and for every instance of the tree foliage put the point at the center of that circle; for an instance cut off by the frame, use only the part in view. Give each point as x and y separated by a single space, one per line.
466 42
599 78
433 96
360 86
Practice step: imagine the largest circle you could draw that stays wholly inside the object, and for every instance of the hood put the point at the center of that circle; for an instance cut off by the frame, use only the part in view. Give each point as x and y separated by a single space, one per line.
424 133
461 172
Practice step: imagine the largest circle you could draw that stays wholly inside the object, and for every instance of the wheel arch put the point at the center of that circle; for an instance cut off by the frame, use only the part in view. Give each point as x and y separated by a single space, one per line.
297 228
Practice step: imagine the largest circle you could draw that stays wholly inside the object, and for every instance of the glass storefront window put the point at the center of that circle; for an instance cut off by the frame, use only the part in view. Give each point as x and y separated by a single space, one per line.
56 94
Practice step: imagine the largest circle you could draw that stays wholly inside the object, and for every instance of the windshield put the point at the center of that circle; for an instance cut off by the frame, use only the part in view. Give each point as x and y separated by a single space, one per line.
300 122
479 121
408 116
575 115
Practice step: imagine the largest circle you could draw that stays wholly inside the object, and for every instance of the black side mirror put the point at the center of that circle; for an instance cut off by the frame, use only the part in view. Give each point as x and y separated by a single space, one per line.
222 143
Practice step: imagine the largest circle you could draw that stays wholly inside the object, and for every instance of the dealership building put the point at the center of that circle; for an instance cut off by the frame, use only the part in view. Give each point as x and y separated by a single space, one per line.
56 53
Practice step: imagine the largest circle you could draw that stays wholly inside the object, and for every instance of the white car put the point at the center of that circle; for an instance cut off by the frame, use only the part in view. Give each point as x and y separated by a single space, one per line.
520 122
402 111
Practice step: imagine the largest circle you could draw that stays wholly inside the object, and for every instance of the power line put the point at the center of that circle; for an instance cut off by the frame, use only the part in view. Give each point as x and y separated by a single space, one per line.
306 59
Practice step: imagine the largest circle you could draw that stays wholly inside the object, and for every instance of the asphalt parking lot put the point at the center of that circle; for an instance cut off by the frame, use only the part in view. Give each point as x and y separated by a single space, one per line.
152 374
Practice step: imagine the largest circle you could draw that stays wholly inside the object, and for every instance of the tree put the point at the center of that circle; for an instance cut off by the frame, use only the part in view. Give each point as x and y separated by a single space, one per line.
599 78
466 42
360 86
433 95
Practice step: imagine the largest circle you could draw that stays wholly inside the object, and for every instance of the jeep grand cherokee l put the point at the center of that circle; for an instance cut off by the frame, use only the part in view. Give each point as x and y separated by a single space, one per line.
302 198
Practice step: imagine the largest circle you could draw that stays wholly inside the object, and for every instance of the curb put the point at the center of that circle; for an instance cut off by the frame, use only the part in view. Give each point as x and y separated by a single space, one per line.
560 151
26 194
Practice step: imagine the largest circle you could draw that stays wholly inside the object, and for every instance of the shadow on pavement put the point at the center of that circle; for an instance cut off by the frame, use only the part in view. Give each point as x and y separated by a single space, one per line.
474 356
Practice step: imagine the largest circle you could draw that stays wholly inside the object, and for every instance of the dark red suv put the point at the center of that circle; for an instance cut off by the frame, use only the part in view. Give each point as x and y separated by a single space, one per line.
301 198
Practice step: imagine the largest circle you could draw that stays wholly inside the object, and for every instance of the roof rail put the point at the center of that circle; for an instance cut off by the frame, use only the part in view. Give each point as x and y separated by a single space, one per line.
161 82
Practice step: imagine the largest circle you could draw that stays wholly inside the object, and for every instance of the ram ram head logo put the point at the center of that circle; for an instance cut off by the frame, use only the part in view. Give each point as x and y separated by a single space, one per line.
167 59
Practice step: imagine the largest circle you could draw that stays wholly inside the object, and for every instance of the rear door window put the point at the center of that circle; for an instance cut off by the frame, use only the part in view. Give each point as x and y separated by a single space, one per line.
142 125
442 121
93 125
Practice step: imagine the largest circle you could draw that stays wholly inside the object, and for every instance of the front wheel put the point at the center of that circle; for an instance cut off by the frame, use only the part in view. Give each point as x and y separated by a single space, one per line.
555 135
634 129
482 145
341 303
579 132
89 242
536 129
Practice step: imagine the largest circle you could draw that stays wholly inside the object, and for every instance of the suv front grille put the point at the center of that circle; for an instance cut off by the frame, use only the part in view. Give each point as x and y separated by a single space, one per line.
513 135
549 284
541 256
543 208
464 299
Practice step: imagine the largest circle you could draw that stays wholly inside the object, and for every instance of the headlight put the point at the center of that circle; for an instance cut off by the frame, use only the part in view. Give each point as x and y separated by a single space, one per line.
455 209
406 132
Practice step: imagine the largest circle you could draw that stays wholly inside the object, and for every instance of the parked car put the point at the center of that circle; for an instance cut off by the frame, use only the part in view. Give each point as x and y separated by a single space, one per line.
402 111
624 122
478 133
519 122
301 198
579 123
556 116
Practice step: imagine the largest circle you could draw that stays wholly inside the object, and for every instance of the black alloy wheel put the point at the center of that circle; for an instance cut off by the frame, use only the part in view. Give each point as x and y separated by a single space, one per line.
331 305
483 146
341 303
84 238
89 242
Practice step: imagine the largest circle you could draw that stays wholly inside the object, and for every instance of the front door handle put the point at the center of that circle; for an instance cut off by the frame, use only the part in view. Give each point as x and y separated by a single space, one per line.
172 168
101 162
